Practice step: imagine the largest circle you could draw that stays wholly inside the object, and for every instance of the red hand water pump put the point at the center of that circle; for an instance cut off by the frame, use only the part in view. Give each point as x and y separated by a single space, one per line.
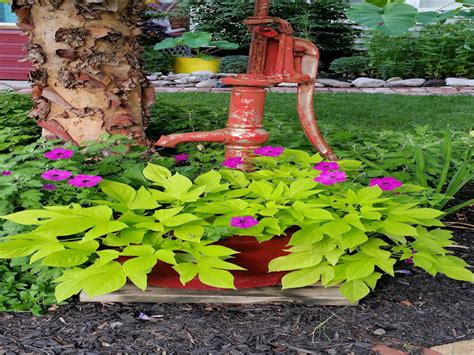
275 57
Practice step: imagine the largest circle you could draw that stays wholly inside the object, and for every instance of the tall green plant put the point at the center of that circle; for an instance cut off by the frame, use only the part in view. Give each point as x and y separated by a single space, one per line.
394 17
435 51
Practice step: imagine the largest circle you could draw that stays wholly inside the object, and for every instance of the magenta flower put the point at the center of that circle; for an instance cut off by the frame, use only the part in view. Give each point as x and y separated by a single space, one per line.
243 222
326 166
269 151
58 154
6 173
409 261
386 183
233 162
49 187
331 177
181 157
56 175
85 181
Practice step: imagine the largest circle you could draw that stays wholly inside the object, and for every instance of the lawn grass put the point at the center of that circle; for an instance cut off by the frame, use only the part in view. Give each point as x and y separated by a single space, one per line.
348 111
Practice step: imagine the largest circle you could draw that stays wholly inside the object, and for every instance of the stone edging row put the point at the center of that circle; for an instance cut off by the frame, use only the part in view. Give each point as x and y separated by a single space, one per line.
445 90
23 87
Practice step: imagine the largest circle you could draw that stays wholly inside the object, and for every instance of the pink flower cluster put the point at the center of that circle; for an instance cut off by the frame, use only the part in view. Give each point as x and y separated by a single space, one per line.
233 163
330 173
267 151
59 154
386 183
243 222
80 181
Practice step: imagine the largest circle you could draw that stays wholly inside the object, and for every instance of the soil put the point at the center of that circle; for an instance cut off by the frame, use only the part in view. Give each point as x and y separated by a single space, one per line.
405 312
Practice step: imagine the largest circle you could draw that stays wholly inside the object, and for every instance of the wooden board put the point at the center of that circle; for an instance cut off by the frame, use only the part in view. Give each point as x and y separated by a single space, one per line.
315 295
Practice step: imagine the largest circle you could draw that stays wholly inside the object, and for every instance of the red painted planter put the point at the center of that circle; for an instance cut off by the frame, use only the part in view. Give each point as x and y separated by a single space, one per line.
254 257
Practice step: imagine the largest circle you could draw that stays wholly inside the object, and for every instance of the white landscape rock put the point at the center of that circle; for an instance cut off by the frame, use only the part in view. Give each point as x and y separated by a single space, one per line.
407 82
287 85
368 83
203 73
160 83
206 84
175 76
456 82
334 83
152 77
395 78
191 79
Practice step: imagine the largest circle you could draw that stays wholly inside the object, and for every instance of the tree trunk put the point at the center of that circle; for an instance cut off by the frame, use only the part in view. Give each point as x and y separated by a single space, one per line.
86 74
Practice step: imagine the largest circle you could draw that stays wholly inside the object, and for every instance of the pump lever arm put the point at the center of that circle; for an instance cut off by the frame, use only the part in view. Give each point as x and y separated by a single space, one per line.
309 66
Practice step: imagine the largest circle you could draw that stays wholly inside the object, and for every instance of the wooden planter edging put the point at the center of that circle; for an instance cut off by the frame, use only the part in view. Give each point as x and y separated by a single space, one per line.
315 295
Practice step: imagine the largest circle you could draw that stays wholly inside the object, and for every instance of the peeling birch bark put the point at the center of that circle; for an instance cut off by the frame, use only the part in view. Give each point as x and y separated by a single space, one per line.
86 75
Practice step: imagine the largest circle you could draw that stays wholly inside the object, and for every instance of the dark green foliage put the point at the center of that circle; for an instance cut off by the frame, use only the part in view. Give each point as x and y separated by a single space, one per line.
156 61
323 22
25 287
350 66
16 128
436 51
236 64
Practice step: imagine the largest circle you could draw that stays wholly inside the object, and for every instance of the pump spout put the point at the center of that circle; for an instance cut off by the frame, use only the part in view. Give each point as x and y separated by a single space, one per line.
309 66
172 140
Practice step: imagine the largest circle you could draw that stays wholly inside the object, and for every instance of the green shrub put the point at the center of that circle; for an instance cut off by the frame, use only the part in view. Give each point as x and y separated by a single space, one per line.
156 61
323 22
350 66
25 287
236 64
16 128
435 51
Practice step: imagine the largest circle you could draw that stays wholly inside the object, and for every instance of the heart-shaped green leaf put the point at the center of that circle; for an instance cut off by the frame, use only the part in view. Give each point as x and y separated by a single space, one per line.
394 19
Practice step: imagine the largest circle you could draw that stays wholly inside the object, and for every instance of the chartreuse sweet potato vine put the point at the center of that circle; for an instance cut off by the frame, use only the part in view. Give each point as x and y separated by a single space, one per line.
349 233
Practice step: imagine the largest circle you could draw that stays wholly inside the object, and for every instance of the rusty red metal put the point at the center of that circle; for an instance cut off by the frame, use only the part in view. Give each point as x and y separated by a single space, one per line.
275 57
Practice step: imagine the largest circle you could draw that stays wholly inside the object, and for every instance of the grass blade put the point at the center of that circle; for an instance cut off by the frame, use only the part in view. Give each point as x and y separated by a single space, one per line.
459 207
448 151
420 167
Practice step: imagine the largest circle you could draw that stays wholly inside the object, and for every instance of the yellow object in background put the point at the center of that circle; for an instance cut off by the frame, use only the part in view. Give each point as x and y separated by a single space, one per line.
190 65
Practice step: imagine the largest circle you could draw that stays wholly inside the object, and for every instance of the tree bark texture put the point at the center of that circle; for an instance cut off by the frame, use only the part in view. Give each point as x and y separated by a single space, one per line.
86 74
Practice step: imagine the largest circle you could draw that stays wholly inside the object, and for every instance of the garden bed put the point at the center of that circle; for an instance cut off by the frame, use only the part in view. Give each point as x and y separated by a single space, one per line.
404 312
413 310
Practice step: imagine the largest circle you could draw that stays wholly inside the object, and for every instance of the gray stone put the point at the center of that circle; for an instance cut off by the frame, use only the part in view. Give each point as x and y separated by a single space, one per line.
396 78
288 85
161 83
203 73
335 83
152 77
368 83
224 75
318 85
456 82
207 84
380 331
406 82
176 76
191 79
